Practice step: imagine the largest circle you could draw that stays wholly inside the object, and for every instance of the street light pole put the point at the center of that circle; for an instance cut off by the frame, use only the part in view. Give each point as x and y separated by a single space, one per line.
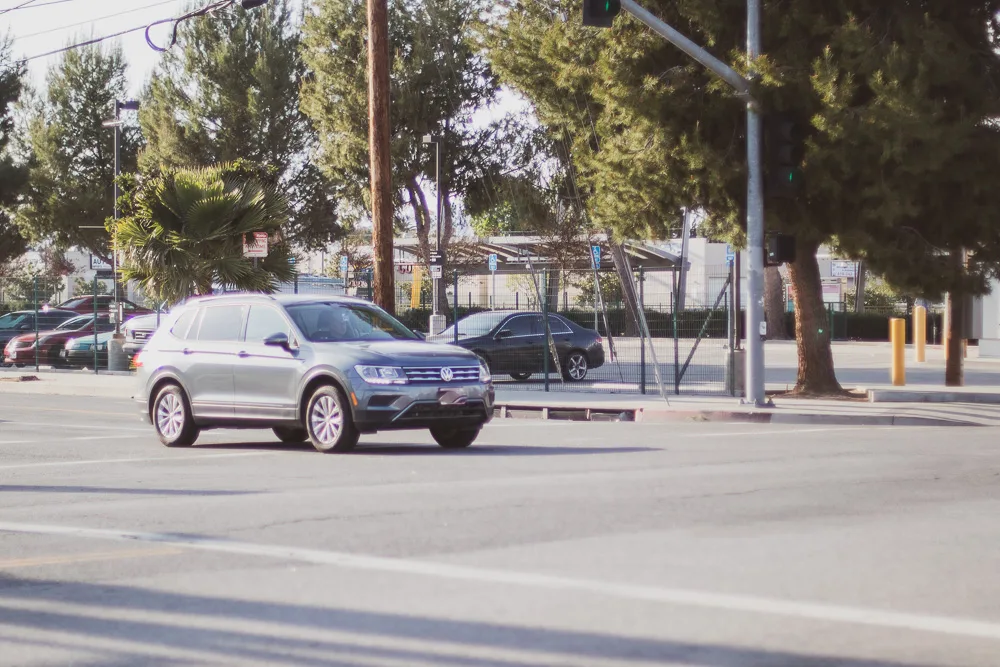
116 123
436 140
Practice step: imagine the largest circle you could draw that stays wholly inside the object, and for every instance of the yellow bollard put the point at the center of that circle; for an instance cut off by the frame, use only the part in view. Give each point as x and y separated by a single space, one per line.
897 334
920 333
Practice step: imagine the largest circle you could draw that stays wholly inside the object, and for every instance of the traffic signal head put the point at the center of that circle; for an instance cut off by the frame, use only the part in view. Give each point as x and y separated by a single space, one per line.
785 148
600 13
779 249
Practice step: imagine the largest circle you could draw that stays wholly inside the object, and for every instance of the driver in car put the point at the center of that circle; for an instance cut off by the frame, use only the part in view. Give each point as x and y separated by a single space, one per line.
332 325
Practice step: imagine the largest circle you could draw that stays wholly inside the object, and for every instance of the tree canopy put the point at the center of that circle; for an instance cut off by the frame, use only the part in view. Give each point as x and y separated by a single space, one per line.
69 193
230 91
12 175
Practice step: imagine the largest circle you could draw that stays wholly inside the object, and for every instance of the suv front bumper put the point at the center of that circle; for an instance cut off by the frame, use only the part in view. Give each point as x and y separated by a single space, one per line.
415 406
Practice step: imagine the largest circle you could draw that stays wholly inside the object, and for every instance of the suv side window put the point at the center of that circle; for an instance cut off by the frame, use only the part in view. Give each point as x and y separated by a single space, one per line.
221 323
263 322
183 324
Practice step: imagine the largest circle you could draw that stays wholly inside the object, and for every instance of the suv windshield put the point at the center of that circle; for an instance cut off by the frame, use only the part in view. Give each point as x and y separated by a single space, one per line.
13 320
332 321
479 324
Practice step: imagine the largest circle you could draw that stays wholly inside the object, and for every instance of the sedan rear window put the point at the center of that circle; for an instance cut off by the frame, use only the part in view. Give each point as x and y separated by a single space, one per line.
330 322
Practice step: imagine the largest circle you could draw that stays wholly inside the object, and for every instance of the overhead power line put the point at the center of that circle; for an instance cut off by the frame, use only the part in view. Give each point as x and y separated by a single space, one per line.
36 6
96 40
20 6
94 20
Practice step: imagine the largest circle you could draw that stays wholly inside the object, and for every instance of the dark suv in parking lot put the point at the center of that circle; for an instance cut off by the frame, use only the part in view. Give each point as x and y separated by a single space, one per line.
319 369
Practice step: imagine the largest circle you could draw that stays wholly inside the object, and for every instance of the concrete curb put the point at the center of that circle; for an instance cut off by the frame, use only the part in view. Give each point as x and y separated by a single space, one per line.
912 396
506 410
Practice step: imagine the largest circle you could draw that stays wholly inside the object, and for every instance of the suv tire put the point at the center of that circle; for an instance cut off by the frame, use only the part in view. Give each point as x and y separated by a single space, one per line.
172 418
329 422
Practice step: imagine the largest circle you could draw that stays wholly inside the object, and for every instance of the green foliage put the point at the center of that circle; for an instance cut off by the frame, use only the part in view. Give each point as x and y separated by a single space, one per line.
438 80
12 175
70 184
183 231
878 294
612 295
899 107
23 285
83 286
231 91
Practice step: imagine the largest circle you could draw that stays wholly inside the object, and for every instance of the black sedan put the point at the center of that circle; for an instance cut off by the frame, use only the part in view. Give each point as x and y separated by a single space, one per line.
513 343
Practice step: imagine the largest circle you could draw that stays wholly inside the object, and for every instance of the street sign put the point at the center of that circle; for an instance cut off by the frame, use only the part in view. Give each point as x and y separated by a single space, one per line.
257 247
843 269
343 266
595 253
98 264
437 271
730 253
493 263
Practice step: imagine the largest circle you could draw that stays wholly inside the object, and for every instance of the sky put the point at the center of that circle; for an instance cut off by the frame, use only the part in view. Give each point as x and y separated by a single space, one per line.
45 27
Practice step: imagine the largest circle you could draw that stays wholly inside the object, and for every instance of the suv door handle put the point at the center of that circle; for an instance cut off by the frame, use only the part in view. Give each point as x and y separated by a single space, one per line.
186 350
243 354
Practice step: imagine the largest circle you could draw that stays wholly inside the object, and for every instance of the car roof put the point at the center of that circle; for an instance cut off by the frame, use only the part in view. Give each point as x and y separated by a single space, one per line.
283 299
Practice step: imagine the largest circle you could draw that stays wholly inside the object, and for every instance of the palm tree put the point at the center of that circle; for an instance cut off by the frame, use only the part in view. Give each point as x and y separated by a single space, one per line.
184 230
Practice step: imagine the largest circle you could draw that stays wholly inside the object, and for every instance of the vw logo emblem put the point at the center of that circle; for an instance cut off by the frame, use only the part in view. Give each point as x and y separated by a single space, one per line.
447 374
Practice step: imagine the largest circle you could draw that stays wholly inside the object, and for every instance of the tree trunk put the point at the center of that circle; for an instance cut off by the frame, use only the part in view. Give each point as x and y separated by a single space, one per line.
552 289
812 329
379 134
954 371
422 217
446 232
774 311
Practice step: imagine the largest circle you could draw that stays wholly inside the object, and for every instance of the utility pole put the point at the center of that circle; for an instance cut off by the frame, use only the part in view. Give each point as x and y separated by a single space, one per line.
600 13
437 323
379 148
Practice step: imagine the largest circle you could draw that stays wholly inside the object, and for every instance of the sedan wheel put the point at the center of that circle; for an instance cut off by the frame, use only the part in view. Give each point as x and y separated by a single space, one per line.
575 368
172 418
329 422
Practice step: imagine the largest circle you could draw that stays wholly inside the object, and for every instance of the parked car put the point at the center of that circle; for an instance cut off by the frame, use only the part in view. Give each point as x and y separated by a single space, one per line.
137 331
20 351
79 352
514 343
21 322
84 305
323 369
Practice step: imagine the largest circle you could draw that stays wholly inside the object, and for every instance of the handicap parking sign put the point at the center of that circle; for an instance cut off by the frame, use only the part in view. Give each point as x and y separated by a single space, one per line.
596 252
343 264
493 262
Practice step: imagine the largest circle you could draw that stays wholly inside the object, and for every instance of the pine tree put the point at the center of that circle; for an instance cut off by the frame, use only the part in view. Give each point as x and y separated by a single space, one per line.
70 184
898 103
230 91
12 175
438 80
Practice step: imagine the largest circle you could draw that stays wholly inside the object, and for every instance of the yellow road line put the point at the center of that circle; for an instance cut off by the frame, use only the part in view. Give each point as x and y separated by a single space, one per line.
39 561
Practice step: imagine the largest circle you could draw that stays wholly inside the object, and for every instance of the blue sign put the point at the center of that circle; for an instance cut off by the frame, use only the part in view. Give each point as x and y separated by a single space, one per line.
730 253
343 265
493 263
595 251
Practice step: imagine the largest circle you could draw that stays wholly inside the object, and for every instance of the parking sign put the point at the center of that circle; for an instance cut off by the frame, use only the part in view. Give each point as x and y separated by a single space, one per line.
730 253
343 265
595 251
493 263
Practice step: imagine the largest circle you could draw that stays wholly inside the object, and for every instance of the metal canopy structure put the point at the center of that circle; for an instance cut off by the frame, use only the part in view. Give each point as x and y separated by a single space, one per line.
516 252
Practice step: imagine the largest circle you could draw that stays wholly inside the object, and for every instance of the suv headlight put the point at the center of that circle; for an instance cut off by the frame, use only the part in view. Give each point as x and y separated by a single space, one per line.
484 373
381 374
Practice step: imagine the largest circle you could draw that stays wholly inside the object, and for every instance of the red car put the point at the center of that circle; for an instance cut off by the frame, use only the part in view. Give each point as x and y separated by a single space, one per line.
105 303
20 351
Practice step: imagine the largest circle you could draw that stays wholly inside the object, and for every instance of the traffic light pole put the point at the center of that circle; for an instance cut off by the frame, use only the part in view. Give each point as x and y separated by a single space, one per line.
755 393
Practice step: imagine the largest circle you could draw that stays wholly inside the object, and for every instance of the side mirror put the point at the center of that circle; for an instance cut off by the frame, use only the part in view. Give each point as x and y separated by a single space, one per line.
278 340
504 333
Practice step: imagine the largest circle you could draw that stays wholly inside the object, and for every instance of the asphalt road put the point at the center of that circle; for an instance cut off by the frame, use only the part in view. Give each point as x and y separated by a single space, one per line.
584 544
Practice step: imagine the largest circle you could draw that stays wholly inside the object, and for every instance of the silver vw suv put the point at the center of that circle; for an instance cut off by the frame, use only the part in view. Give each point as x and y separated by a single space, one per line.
323 369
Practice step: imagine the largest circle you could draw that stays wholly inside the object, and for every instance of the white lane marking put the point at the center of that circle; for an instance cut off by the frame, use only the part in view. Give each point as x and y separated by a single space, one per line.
673 596
50 464
73 439
82 427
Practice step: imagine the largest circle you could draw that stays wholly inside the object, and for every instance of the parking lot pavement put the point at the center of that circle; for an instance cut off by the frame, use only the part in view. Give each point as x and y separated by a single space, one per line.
544 544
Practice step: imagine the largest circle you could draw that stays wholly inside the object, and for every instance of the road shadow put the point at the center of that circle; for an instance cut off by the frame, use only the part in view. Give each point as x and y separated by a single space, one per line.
39 488
293 634
420 449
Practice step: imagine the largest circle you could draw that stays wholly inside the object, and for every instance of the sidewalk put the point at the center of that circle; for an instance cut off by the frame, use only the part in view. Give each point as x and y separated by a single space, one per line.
922 405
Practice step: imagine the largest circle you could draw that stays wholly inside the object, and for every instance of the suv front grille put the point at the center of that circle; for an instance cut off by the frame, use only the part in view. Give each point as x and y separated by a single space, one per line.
433 373
430 412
